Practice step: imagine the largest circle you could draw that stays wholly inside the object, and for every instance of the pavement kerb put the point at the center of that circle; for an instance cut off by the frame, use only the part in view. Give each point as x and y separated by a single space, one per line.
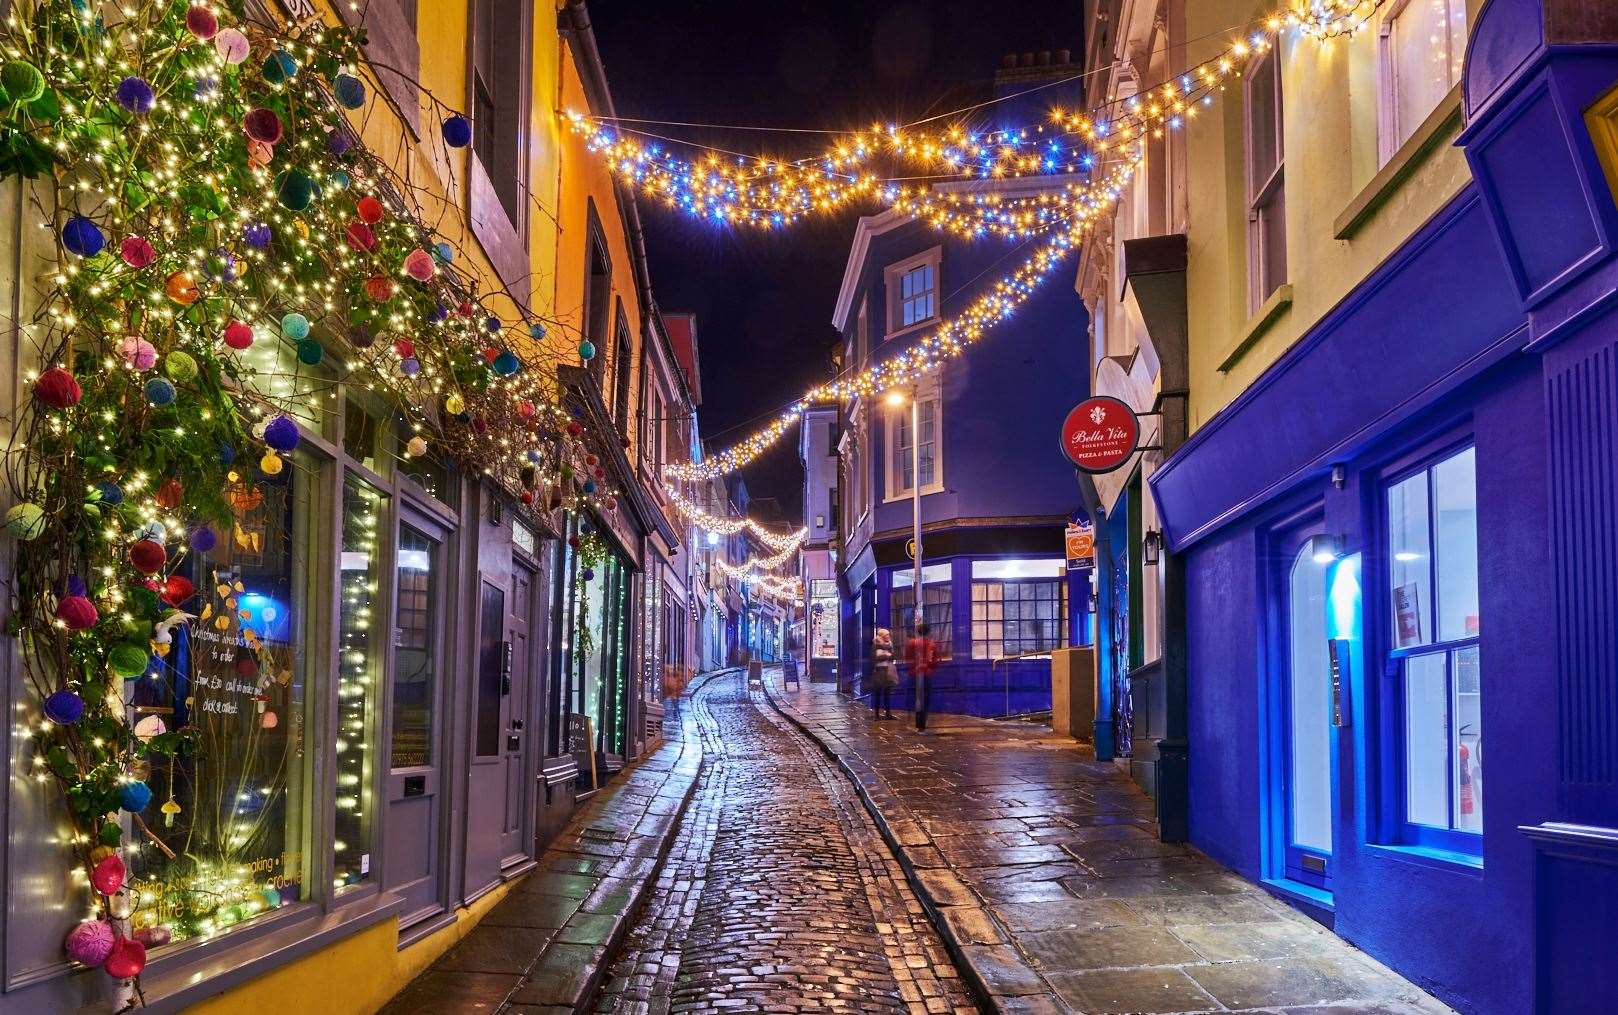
628 915
986 999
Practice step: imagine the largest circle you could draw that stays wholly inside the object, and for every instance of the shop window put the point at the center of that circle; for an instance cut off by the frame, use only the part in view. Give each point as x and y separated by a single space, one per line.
233 810
415 654
309 394
937 610
1434 629
1422 46
1012 618
359 664
1266 180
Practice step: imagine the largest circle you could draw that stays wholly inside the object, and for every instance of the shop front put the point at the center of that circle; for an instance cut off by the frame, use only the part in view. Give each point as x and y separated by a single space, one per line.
1431 560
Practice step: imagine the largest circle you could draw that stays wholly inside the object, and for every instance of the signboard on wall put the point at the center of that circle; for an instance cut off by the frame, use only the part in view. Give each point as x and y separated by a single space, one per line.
1081 546
1100 434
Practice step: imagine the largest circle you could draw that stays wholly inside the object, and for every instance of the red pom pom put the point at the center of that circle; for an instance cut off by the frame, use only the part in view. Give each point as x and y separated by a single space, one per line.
370 210
525 408
465 309
170 495
527 496
575 428
592 461
601 473
480 424
262 125
573 541
611 503
490 354
58 389
202 22
77 612
360 236
238 335
405 348
177 589
379 288
148 556
128 958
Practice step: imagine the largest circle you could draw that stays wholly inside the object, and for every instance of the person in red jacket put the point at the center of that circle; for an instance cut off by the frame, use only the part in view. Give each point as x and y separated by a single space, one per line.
921 655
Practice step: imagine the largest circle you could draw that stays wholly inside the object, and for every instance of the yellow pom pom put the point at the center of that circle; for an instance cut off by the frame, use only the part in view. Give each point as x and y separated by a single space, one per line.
271 464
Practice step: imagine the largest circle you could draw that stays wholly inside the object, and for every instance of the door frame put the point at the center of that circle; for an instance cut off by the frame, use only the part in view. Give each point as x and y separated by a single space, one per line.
1283 861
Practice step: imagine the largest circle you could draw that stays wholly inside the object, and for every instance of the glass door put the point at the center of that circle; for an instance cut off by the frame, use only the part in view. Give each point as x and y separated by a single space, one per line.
414 826
1307 737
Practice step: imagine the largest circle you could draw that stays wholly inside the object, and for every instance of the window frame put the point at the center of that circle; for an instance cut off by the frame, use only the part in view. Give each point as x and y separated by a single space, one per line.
1396 829
1391 137
502 231
942 631
623 366
1267 196
1059 584
892 278
893 488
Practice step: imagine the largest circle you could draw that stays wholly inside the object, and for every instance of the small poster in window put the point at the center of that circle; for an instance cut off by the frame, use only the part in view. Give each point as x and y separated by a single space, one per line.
1407 614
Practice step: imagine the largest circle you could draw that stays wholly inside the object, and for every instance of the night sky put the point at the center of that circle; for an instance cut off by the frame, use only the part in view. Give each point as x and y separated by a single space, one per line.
764 300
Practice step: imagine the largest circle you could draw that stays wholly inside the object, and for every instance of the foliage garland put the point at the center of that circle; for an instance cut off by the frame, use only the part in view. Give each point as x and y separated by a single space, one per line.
203 179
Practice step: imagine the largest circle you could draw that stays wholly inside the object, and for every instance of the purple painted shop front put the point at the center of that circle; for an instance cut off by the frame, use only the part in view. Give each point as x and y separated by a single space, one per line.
1489 340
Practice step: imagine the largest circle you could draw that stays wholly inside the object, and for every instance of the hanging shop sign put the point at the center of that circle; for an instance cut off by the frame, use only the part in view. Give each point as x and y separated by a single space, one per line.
1081 546
1100 434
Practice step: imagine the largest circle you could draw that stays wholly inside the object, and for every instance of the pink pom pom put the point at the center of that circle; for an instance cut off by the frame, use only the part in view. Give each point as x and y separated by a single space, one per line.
90 942
108 875
418 264
137 251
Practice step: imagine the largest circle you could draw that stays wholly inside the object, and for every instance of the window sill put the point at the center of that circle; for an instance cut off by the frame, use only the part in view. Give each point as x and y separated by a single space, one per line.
1444 120
1429 856
926 491
1270 311
911 329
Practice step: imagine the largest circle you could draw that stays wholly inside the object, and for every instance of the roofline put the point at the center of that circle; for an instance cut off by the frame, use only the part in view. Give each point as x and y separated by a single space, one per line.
869 226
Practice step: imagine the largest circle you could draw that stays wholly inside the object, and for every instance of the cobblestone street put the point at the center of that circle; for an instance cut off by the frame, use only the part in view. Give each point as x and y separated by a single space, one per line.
779 893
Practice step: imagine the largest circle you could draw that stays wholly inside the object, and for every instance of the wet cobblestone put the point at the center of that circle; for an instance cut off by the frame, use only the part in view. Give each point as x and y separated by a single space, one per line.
779 894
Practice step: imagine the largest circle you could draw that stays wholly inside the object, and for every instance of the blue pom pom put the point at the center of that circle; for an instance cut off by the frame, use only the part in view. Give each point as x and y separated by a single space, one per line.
507 364
350 91
457 131
533 455
587 350
281 434
444 252
257 235
227 454
491 324
280 67
134 797
295 327
589 486
536 332
64 707
160 392
135 95
111 493
82 237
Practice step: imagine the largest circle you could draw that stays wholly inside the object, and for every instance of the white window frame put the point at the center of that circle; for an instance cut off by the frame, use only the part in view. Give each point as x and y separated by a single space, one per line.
893 277
894 487
1269 194
1391 136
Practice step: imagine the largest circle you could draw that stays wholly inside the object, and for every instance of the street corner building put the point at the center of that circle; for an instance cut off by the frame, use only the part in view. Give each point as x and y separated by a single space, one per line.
965 458
1375 665
340 571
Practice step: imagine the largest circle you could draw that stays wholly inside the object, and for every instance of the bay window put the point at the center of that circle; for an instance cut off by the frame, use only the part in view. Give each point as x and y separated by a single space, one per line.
1434 659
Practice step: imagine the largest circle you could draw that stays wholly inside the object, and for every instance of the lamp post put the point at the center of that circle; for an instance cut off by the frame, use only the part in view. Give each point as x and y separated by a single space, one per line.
896 398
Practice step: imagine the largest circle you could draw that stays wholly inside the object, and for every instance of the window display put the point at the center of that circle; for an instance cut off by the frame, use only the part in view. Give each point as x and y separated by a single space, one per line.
226 832
359 662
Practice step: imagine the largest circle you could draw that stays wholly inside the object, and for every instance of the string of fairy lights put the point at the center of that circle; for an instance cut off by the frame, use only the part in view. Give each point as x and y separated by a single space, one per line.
949 178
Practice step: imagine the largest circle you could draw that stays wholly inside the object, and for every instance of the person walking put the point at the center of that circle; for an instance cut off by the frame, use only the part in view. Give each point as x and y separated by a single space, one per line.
921 655
884 675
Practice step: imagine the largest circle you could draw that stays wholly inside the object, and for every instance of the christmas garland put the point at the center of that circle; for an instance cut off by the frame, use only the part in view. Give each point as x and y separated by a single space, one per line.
206 189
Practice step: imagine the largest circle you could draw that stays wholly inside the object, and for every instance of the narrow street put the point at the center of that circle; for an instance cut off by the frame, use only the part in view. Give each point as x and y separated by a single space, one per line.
779 893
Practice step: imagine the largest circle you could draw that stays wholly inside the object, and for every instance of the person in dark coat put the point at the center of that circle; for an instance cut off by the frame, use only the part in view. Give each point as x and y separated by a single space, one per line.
884 674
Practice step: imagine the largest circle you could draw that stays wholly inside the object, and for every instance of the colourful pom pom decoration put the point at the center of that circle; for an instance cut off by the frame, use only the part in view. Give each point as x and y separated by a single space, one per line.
161 391
137 251
295 189
281 433
177 588
418 264
58 389
77 613
232 46
202 22
134 797
64 708
457 131
263 125
127 960
128 660
369 210
238 335
82 237
349 91
148 556
295 326
202 539
90 942
135 95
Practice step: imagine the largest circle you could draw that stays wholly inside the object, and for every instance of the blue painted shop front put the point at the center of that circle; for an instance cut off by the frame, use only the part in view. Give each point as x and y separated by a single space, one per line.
1405 534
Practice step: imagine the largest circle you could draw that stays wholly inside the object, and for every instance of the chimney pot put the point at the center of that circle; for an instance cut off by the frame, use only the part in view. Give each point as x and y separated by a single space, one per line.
1064 56
1044 58
1028 59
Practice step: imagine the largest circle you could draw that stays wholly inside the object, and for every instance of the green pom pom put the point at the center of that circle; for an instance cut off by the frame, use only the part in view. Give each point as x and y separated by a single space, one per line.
111 834
22 81
310 352
26 521
180 366
295 189
128 660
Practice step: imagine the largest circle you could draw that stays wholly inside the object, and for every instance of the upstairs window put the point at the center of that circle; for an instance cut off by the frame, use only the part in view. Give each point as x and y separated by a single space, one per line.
1434 659
597 291
621 367
498 88
1266 181
902 451
913 291
1422 45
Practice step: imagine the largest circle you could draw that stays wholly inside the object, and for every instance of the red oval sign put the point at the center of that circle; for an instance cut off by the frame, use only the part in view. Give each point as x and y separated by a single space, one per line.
1100 434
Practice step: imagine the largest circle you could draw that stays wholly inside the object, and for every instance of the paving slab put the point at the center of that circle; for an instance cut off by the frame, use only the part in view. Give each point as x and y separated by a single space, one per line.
1044 873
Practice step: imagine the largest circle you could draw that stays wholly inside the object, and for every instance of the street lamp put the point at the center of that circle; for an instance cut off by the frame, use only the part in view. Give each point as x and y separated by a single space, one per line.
896 398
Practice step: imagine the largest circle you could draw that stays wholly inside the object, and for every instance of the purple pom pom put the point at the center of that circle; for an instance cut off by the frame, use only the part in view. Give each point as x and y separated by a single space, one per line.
257 235
64 708
76 586
135 95
281 434
338 143
203 539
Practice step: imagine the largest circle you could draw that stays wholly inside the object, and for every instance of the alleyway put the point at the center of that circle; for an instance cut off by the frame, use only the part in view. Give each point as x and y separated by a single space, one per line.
779 893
